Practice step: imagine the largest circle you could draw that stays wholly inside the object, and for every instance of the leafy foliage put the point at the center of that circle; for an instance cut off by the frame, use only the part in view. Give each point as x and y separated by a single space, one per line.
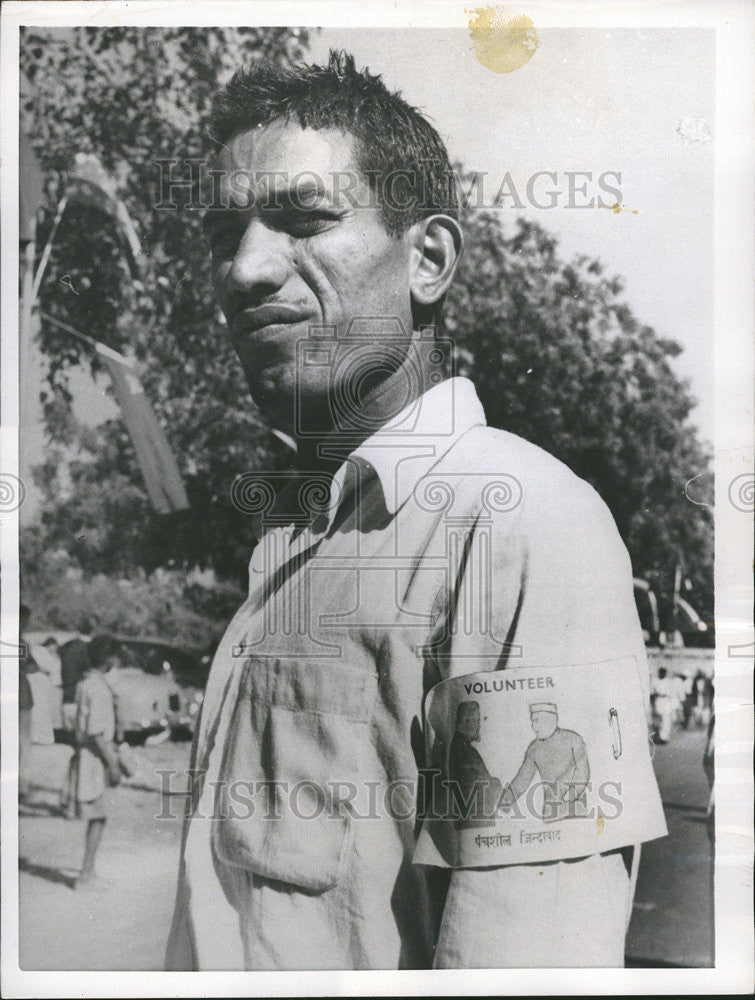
558 357
555 352
161 604
136 97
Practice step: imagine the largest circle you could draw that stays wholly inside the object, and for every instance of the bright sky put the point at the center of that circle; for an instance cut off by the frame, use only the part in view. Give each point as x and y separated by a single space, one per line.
588 100
591 100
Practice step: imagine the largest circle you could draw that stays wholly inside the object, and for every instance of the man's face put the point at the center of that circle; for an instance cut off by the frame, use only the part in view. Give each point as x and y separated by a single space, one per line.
469 723
298 243
544 724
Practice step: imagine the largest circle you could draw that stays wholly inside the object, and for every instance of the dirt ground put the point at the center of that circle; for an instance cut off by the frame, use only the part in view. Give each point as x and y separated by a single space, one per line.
126 926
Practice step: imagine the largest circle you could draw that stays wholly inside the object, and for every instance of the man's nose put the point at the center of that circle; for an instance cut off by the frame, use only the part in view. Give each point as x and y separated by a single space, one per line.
261 264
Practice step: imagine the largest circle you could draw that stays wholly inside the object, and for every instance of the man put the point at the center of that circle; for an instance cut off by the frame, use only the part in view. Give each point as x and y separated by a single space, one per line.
559 756
74 663
413 544
48 659
26 668
664 704
477 791
94 766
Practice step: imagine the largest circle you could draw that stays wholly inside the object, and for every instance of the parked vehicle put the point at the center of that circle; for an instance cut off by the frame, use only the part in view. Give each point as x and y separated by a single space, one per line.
142 702
695 631
160 689
686 625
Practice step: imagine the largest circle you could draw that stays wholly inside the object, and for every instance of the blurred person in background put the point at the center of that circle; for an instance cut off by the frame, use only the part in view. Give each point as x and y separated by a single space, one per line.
73 665
707 709
26 667
94 766
47 658
42 721
43 698
701 698
664 702
709 766
688 702
680 693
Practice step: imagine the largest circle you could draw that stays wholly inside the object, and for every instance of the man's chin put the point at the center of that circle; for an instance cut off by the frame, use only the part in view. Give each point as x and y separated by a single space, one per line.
291 405
274 397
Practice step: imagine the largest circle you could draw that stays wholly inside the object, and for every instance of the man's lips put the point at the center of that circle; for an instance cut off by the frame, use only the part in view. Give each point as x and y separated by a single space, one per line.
251 320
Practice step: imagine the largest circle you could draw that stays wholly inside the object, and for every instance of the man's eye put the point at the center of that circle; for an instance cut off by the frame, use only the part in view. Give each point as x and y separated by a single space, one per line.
224 242
306 223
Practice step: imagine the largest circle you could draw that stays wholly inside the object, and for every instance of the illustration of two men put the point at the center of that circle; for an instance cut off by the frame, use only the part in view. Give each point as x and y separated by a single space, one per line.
558 756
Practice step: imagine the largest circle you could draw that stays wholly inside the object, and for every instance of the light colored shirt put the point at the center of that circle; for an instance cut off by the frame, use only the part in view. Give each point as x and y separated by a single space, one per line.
49 662
42 709
561 762
560 758
95 716
443 547
663 687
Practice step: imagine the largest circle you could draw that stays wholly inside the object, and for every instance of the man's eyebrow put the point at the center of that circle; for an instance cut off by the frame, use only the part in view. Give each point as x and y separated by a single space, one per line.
302 195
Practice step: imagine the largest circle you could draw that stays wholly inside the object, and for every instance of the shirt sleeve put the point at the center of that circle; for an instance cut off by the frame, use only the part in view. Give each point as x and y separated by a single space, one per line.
581 767
523 777
550 584
554 583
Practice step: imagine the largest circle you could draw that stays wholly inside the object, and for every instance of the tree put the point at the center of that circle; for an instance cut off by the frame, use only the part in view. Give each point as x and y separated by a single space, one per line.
553 348
558 357
140 100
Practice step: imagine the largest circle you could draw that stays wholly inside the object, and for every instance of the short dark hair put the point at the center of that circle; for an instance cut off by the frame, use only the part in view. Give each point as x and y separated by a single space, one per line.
393 139
87 624
100 648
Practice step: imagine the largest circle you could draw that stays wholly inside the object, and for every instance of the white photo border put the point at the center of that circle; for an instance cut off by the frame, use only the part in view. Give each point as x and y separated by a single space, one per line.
733 23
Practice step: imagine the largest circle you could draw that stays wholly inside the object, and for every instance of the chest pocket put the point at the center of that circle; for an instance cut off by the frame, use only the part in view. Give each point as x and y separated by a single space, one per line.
298 728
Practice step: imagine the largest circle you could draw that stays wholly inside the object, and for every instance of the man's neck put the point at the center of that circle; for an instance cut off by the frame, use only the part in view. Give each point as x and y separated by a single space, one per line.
379 406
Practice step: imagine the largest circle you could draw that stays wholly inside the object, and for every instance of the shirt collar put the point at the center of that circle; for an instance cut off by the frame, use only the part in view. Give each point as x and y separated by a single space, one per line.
399 453
404 449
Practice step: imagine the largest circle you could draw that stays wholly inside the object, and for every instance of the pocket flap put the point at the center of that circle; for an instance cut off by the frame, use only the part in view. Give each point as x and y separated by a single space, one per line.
325 686
295 736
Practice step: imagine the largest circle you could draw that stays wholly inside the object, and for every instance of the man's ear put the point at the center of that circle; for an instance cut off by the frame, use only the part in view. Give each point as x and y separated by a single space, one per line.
437 243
